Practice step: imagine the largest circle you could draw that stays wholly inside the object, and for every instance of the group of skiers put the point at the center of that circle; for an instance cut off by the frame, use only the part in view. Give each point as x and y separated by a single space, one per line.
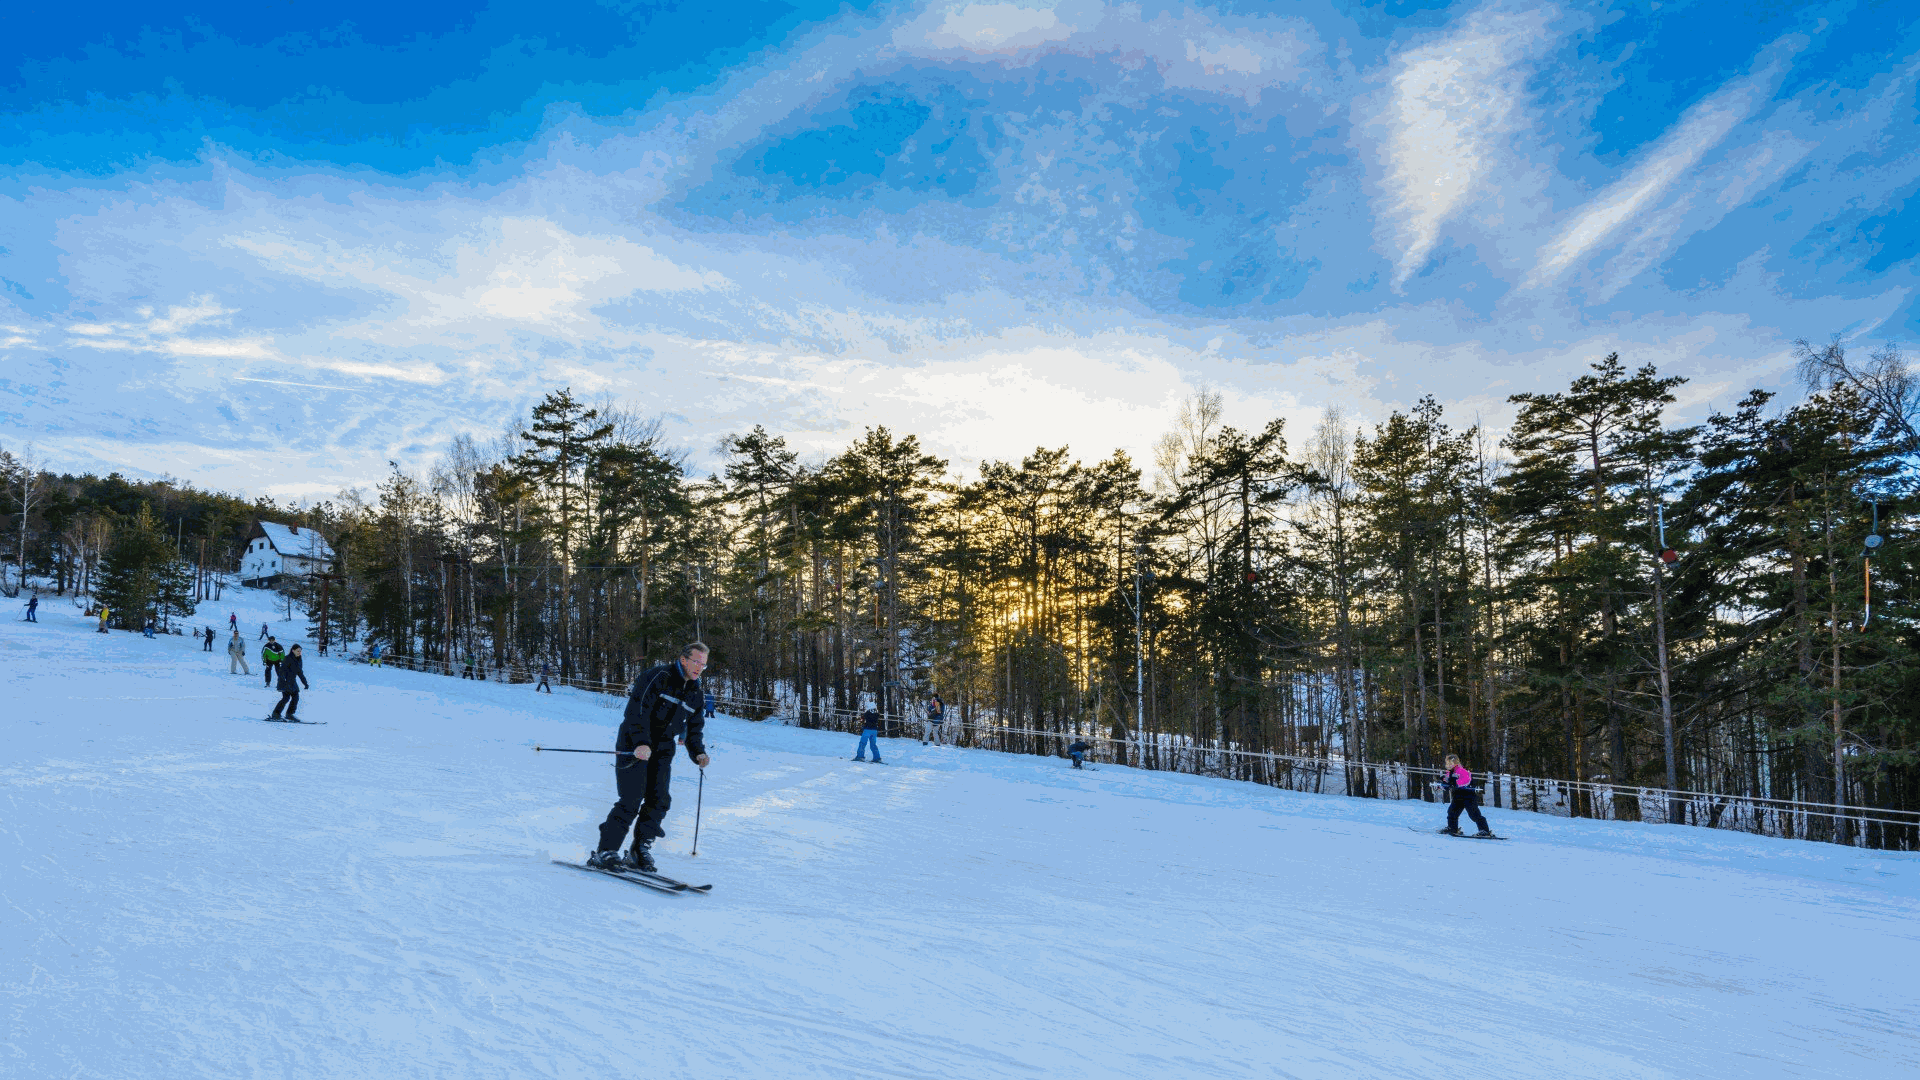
668 705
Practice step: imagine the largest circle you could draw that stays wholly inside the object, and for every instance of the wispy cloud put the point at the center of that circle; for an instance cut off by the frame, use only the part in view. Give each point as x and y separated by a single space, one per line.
1452 107
1703 128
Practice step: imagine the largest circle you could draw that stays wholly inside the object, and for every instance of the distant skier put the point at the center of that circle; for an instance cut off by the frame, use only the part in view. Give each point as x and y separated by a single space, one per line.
660 707
147 629
233 621
930 728
237 655
207 639
104 612
271 656
373 654
33 608
1078 750
263 632
869 735
466 672
546 669
292 678
709 703
1459 782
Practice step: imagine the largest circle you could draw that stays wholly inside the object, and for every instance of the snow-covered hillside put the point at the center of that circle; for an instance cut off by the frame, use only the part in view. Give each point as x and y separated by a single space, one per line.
186 891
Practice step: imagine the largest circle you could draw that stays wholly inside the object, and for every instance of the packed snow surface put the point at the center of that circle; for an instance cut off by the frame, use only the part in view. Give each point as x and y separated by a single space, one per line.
188 891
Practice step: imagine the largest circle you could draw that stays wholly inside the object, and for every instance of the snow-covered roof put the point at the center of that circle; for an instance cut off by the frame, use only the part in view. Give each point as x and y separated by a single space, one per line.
293 540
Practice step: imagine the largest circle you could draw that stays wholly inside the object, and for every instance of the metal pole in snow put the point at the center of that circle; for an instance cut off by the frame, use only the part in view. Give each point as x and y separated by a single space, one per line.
698 797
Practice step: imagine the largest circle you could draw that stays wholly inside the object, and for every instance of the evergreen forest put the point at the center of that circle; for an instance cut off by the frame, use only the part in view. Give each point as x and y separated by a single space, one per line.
1598 593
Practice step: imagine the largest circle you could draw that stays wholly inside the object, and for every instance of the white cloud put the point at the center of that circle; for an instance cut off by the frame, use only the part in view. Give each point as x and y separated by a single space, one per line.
1452 106
1699 131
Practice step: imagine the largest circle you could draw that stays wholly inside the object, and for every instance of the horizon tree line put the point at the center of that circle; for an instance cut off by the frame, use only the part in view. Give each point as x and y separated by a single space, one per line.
1600 594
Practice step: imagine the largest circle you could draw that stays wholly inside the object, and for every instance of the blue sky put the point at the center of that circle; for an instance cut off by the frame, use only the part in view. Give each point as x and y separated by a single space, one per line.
272 247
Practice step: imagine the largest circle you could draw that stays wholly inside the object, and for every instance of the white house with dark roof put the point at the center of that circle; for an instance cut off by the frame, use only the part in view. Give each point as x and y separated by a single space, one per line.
275 550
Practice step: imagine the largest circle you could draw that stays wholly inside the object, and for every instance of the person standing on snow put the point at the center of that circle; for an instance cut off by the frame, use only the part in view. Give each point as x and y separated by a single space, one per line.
292 678
237 655
663 704
147 629
1459 782
207 638
936 716
869 736
103 621
546 669
1078 751
233 621
271 656
263 632
33 608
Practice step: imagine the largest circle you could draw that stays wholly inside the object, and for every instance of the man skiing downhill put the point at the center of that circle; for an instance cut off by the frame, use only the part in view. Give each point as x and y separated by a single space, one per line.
292 678
664 704
1459 785
33 608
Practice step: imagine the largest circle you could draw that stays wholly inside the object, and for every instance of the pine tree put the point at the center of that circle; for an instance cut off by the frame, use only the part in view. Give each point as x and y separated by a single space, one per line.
142 577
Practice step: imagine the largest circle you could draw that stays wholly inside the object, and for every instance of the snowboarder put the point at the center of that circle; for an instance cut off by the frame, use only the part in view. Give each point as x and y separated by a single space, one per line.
270 657
936 715
1459 782
237 655
1077 750
661 706
869 735
33 608
546 669
292 678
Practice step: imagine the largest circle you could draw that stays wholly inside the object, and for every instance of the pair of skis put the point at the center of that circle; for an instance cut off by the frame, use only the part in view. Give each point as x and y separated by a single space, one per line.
658 882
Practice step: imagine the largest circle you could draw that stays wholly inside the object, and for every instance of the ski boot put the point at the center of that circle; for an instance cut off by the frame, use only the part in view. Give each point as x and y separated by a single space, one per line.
606 860
642 859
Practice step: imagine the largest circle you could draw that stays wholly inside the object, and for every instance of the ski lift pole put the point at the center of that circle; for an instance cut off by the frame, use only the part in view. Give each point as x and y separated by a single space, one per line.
1872 544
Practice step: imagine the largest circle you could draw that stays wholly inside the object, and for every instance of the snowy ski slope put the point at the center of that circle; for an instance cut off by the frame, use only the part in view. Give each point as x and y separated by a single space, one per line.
188 892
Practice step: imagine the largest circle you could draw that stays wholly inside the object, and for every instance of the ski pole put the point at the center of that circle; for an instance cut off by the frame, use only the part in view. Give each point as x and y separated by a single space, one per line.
565 750
699 796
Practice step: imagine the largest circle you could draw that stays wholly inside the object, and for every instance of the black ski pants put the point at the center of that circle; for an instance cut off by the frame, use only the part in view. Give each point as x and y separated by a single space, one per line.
1465 799
272 670
289 700
643 796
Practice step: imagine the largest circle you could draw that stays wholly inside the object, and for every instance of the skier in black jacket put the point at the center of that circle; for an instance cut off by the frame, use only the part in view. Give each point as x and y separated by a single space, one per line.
292 678
665 702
